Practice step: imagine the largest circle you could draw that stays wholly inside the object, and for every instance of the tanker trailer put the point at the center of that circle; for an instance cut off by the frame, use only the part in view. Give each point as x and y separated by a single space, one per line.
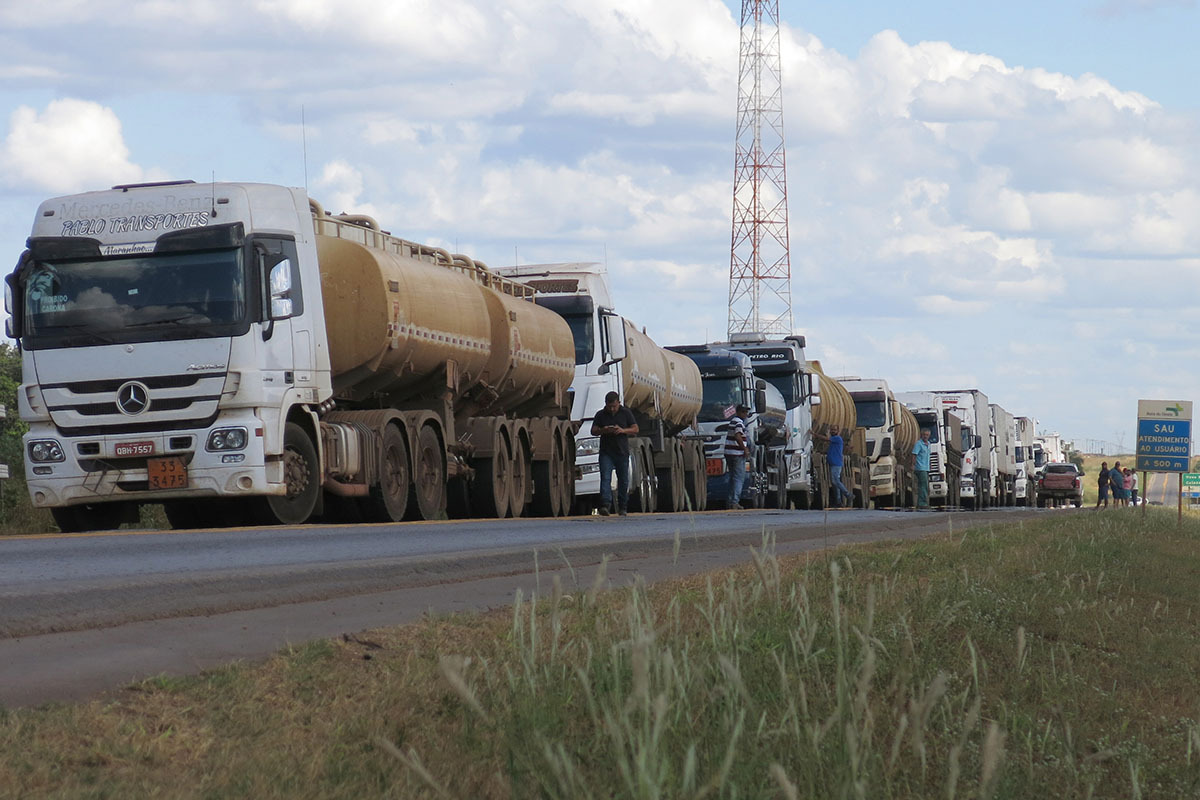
661 388
234 353
835 409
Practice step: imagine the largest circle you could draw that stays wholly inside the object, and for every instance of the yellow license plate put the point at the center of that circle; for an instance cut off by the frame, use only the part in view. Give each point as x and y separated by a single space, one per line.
715 466
167 473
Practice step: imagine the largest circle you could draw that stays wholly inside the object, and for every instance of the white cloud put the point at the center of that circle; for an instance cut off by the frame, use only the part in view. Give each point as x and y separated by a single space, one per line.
70 146
931 189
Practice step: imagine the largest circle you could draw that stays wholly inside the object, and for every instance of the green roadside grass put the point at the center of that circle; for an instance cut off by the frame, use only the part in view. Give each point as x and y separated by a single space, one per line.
1054 658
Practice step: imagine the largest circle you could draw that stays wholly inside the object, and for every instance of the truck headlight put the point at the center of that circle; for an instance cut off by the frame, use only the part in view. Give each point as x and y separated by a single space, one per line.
587 446
44 450
224 439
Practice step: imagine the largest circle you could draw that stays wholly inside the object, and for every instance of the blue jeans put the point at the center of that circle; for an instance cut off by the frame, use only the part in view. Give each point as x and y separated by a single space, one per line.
843 494
608 463
737 479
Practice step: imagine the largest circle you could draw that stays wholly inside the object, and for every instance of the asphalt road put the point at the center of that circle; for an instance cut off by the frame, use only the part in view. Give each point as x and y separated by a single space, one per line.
82 614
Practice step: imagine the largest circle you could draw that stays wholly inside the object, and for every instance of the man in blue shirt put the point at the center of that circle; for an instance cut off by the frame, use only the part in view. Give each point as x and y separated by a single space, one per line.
834 458
921 451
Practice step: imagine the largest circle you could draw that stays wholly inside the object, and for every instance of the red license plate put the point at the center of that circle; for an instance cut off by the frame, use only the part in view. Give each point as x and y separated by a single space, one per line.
124 449
167 473
715 466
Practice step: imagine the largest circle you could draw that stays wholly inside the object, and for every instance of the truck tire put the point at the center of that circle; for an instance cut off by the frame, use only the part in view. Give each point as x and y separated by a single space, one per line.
547 482
642 485
522 466
388 502
89 517
670 480
492 489
428 498
301 474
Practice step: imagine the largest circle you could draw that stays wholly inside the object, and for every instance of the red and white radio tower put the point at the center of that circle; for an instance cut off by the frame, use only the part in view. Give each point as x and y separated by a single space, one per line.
760 268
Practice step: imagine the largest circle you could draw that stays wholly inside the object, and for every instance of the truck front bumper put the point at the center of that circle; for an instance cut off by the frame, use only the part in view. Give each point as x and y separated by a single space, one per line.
91 471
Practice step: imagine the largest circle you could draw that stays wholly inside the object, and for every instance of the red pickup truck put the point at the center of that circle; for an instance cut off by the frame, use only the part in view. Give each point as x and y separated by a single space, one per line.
1060 484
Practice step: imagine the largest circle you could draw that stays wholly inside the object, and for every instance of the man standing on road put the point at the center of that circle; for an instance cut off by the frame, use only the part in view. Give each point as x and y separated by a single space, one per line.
921 451
835 460
614 424
737 448
1102 485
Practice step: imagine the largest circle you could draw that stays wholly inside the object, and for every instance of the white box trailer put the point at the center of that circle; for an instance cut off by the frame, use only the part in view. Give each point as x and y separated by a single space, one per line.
971 406
1026 433
1004 450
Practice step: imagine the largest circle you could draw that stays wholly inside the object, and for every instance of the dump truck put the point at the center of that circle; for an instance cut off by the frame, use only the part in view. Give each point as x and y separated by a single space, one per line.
971 406
729 381
891 433
1004 455
660 387
945 445
833 408
236 353
781 363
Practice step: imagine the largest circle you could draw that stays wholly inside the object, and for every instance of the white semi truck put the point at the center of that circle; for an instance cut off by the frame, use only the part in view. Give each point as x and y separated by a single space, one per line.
1026 486
660 387
945 444
971 406
232 351
781 363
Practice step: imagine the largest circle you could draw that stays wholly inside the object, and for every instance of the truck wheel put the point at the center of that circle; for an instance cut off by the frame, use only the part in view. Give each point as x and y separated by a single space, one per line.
428 498
301 474
642 481
492 491
89 517
547 483
388 502
883 502
521 467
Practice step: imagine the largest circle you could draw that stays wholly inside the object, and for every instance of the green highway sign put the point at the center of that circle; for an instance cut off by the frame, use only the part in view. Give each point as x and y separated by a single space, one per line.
1191 479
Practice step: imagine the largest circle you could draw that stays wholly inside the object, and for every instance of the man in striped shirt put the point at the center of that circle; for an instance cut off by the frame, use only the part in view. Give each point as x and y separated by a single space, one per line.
737 448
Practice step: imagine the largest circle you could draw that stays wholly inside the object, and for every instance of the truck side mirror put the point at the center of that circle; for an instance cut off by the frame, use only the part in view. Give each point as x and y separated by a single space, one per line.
612 341
760 397
978 441
14 300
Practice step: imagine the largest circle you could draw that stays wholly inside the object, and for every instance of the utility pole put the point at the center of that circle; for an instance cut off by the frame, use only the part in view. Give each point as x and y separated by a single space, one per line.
760 269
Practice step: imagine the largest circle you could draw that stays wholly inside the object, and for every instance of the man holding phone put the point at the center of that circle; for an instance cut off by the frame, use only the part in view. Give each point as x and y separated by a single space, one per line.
614 424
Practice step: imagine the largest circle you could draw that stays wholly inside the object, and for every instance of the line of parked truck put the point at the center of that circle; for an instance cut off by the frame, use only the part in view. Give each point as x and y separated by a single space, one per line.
238 354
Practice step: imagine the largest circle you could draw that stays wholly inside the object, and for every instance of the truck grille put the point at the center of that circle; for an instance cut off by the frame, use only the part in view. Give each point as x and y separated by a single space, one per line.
173 402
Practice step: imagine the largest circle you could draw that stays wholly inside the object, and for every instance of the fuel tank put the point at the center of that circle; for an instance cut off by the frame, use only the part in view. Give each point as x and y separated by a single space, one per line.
406 320
836 406
660 383
907 428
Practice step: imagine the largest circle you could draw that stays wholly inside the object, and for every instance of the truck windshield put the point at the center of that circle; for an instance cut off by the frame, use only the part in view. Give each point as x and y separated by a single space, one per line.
788 386
583 329
928 422
721 395
968 440
136 298
871 408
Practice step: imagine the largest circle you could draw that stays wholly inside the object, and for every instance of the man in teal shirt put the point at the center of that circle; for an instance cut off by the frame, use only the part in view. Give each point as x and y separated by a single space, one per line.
921 451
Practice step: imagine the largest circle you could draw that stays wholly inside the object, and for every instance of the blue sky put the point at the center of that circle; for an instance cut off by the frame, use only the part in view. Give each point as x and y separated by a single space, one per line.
1002 197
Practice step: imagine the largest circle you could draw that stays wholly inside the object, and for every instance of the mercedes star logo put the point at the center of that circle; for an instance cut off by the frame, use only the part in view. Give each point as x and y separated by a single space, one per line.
133 398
